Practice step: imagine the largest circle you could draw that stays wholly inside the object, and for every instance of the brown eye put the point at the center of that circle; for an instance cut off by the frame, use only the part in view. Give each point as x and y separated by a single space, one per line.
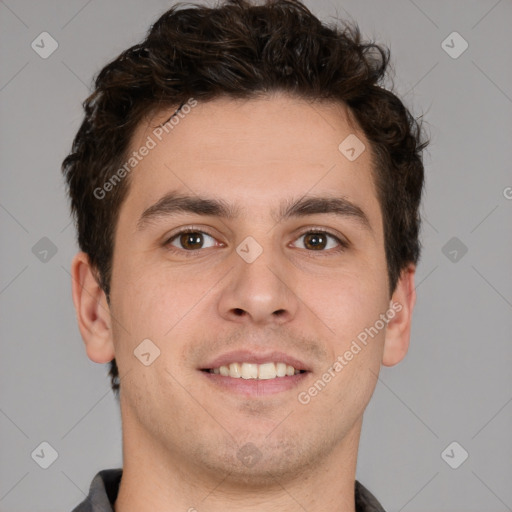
320 240
189 240
315 241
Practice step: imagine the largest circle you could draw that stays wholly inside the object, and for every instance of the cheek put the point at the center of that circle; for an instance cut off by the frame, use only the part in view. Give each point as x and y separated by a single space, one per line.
347 304
153 394
155 300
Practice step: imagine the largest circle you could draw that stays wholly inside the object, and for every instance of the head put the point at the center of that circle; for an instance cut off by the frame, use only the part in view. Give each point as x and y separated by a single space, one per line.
247 104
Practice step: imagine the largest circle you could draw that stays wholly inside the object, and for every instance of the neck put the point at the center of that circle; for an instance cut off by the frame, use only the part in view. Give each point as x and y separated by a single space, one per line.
154 480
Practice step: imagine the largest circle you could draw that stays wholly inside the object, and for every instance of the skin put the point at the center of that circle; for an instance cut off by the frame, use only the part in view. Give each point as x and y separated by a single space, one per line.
181 434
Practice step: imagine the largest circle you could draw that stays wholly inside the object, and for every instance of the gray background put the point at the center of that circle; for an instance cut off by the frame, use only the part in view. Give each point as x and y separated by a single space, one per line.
455 383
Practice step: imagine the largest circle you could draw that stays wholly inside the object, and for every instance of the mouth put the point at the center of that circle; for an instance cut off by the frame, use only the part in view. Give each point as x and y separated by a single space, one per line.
248 371
251 374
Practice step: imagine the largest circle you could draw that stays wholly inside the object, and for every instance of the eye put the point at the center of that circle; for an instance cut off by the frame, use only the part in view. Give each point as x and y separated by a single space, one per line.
318 240
190 240
193 239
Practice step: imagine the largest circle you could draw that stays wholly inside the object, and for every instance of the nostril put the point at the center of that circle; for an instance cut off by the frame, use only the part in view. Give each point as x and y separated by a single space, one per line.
239 312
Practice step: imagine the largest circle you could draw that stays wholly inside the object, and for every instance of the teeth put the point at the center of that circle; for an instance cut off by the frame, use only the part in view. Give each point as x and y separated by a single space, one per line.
235 370
281 369
249 371
263 371
267 371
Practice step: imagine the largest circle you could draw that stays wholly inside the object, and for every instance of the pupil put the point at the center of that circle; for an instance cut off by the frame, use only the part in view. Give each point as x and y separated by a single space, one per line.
317 239
190 239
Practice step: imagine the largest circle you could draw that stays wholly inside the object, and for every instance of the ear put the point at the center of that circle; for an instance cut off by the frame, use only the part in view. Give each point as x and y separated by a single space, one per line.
398 330
92 311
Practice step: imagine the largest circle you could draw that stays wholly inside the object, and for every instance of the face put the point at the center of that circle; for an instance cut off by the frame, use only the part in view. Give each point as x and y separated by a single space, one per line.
271 270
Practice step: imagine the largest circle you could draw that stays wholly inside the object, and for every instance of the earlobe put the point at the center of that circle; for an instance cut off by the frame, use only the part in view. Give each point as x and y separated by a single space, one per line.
398 330
92 311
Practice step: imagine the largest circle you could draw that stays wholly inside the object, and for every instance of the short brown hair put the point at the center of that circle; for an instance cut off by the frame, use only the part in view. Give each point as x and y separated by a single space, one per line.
241 50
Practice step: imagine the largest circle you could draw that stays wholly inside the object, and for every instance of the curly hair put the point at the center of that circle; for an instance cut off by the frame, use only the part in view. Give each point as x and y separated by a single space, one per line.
240 50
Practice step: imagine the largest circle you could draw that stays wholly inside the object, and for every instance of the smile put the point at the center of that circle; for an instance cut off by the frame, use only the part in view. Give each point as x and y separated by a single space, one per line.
265 371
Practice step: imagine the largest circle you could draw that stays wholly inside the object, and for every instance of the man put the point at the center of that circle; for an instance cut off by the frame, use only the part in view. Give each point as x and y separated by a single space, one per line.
246 197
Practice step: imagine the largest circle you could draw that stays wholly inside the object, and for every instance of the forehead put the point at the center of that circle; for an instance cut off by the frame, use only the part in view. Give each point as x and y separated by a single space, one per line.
258 150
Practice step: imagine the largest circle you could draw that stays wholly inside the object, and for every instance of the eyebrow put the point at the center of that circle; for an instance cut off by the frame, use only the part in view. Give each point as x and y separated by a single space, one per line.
174 203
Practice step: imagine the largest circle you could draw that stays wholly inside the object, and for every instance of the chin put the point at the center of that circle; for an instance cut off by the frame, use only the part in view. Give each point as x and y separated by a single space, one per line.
258 459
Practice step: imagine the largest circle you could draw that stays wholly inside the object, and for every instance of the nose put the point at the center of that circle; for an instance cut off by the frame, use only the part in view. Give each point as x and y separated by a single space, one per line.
259 292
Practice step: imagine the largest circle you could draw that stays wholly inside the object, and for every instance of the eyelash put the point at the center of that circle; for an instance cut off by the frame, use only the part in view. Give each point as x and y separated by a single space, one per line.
343 245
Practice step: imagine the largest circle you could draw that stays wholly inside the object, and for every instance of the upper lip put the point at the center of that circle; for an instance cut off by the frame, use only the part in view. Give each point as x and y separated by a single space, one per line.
247 356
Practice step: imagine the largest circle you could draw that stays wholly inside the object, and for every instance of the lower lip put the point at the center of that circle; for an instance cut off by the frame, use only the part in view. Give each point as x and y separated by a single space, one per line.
255 387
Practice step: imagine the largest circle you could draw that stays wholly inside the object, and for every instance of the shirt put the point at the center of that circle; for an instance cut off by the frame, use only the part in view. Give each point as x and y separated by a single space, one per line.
105 486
